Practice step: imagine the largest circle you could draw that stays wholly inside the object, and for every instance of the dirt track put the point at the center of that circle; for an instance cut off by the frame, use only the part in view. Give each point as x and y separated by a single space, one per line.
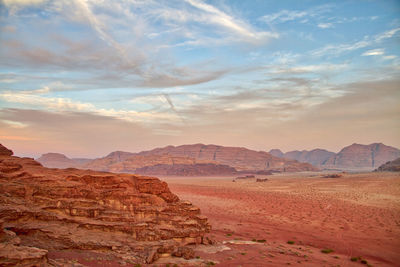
357 215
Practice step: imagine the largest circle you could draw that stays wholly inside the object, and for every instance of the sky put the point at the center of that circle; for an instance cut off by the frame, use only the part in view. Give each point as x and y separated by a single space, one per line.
87 77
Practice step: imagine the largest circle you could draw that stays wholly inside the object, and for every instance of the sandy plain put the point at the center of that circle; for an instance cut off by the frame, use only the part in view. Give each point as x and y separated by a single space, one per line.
298 219
289 220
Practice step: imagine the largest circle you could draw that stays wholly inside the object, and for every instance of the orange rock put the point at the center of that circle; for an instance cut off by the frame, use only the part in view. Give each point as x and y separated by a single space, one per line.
128 215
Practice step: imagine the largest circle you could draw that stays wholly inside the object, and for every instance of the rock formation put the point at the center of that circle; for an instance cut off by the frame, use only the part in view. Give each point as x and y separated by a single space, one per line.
316 157
220 160
133 217
242 159
353 157
390 166
162 165
277 153
103 164
197 169
57 160
366 157
139 161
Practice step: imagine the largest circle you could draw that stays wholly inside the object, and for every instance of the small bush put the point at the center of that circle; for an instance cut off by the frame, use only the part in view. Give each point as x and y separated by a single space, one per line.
354 259
229 234
363 261
290 242
137 265
261 240
210 263
327 251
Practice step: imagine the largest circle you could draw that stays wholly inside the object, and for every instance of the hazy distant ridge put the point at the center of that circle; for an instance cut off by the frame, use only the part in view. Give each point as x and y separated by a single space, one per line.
355 156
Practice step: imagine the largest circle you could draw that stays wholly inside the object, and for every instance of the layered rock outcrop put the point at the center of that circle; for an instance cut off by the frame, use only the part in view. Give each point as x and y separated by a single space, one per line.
133 217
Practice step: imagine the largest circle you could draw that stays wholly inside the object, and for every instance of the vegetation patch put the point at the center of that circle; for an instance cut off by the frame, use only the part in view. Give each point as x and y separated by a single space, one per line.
327 250
290 242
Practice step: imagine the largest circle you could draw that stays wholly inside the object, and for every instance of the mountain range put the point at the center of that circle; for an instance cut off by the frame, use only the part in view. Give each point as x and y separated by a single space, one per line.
197 159
353 157
203 160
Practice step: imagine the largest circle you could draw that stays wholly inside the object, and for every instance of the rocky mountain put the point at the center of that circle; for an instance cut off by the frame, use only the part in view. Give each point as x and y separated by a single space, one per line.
130 217
57 160
103 164
357 156
390 166
242 159
194 160
316 157
277 153
132 163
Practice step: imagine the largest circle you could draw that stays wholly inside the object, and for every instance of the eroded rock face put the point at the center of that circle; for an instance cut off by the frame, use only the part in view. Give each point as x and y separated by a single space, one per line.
239 158
135 217
363 156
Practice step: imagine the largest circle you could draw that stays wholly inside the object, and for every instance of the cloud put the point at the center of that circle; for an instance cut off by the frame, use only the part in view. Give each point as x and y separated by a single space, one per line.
218 17
23 2
301 16
325 25
284 16
390 57
310 68
59 104
337 49
374 52
100 51
386 35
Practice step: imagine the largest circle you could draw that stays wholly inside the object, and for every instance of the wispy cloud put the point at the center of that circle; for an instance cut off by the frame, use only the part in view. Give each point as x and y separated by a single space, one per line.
60 104
374 52
301 16
284 15
335 50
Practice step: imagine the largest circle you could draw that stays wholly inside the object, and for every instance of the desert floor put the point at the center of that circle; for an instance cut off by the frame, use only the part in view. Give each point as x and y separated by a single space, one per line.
293 219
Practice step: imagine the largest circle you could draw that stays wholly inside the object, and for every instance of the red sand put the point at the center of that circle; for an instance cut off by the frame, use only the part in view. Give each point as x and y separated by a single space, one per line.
357 215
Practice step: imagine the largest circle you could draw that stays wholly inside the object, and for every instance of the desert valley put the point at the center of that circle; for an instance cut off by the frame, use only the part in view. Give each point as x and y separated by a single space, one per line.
214 205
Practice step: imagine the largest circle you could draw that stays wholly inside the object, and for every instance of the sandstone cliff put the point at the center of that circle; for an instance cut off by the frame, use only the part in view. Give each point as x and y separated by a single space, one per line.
357 156
195 160
132 217
242 159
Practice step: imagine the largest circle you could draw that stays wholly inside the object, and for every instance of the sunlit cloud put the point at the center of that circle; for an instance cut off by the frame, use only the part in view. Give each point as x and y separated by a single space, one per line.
374 52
